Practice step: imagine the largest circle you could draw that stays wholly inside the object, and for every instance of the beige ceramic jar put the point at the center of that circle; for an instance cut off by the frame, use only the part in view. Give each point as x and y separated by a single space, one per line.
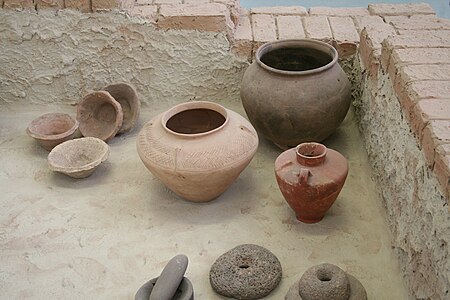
197 149
295 91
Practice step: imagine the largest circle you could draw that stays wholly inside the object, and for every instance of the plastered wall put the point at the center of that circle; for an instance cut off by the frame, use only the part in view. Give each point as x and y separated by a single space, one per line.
417 209
60 56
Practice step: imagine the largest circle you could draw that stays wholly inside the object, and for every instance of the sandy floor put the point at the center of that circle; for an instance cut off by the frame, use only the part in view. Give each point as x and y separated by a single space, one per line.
104 236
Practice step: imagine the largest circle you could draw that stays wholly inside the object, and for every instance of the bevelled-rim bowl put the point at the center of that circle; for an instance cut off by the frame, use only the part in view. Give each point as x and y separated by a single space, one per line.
126 95
78 158
100 115
52 129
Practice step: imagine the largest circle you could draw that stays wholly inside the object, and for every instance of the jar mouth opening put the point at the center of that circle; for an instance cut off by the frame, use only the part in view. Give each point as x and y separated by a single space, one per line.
192 119
296 57
311 150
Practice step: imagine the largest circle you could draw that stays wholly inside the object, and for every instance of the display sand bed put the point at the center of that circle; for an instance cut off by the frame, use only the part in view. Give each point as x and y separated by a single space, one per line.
106 235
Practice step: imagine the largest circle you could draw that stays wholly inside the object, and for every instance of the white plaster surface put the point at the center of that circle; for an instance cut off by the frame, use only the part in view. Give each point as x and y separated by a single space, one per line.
48 57
104 236
417 211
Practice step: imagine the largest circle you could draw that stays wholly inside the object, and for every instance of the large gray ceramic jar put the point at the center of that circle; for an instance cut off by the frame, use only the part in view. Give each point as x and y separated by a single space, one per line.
295 91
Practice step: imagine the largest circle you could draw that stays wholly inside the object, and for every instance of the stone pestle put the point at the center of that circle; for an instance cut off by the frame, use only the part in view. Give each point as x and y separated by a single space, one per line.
170 278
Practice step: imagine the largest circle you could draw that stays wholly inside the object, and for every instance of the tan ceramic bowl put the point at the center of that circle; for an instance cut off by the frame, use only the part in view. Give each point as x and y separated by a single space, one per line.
100 115
126 95
78 158
52 129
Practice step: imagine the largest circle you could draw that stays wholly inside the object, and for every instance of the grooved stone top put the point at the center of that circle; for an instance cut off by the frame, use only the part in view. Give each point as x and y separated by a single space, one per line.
401 9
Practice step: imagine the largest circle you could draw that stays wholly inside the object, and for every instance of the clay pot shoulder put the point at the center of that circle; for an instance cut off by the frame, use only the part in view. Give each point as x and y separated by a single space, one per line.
295 91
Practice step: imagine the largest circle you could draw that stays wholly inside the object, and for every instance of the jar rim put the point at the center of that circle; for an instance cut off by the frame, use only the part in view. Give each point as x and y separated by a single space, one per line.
194 105
297 43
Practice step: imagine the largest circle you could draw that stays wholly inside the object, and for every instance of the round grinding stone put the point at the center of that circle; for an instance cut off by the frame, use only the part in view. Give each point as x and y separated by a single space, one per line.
326 282
245 272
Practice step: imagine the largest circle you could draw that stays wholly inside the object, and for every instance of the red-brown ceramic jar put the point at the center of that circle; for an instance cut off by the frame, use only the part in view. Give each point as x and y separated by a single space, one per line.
310 178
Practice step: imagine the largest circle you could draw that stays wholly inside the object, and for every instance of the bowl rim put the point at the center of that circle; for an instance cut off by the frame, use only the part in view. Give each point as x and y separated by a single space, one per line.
49 137
67 169
106 97
133 101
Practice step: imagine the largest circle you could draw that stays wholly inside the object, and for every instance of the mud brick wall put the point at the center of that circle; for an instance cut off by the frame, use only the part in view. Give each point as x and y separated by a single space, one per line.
398 57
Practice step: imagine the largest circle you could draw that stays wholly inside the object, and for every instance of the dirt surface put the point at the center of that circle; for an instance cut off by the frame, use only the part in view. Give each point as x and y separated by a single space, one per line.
104 236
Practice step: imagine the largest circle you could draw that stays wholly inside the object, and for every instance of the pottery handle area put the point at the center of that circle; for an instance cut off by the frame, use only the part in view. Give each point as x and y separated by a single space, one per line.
303 176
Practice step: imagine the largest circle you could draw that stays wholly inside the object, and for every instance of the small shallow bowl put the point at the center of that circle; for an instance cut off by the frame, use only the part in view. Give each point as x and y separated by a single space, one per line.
100 115
126 95
52 129
78 158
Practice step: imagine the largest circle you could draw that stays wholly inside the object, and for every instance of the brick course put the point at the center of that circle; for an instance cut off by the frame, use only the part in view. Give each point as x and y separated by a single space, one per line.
280 10
435 134
401 9
18 4
264 28
290 27
420 56
148 12
81 5
426 110
105 5
338 11
317 27
171 2
343 29
442 166
418 22
206 17
45 4
243 37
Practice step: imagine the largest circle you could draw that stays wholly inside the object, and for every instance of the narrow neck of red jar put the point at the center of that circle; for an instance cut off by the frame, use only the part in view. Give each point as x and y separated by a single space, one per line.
311 154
